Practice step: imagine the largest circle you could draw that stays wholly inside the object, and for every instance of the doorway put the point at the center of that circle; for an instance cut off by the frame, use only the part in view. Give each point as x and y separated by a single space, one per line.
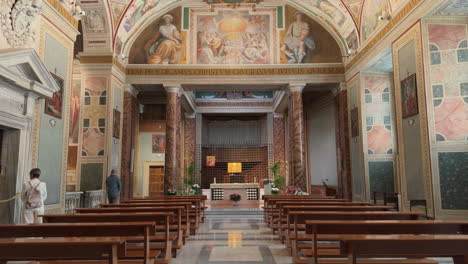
9 151
156 180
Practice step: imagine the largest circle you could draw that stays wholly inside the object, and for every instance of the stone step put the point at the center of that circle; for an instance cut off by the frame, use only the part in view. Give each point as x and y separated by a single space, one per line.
224 212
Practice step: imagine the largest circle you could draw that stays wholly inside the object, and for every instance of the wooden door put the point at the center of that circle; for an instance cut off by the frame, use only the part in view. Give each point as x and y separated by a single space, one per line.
156 180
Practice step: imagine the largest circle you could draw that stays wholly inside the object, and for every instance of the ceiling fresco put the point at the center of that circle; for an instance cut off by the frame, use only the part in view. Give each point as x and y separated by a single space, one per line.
352 22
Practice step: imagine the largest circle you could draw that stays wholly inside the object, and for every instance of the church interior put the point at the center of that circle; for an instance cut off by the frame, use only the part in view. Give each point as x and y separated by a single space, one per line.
239 131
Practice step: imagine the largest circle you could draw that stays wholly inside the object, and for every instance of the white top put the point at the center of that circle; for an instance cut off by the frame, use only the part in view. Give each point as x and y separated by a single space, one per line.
42 189
234 185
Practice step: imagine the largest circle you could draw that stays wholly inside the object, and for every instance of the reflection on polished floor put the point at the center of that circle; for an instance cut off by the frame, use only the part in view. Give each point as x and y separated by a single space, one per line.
233 239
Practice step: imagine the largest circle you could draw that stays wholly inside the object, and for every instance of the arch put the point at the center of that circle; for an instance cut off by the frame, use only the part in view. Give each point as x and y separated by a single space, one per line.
122 41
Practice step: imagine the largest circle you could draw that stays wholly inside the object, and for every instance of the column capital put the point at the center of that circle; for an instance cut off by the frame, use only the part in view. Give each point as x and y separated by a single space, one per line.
173 88
278 115
337 89
296 87
129 88
190 115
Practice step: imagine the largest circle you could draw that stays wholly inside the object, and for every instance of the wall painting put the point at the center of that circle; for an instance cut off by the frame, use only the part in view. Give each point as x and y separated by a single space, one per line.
409 97
75 104
53 106
354 122
371 12
116 124
158 143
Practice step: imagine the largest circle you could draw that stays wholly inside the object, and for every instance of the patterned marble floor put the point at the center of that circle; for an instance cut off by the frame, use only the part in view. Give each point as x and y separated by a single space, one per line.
233 240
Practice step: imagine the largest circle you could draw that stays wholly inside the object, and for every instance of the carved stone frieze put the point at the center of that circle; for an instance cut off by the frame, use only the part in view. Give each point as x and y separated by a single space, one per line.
16 21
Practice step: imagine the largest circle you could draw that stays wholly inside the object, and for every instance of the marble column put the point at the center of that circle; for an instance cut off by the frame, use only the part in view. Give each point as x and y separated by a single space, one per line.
297 138
342 144
171 177
189 139
279 144
129 118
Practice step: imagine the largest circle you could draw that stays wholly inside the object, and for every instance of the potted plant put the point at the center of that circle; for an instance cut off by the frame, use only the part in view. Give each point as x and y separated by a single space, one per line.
278 178
275 191
171 192
235 198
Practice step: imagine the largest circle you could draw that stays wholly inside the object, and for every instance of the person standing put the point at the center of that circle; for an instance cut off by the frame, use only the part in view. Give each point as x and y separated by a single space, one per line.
33 196
113 187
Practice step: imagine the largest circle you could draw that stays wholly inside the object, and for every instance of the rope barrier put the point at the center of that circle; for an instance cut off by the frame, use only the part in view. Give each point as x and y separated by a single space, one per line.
10 199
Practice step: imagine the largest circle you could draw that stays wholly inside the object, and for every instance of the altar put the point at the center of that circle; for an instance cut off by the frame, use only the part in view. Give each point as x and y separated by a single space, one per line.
249 192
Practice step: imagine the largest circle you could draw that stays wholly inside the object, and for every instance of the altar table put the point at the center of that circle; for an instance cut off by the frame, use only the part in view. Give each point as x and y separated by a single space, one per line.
249 192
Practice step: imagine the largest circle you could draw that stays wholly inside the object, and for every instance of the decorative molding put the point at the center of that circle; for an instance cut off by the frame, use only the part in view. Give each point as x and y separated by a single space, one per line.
297 87
173 88
57 6
17 19
233 71
129 88
103 59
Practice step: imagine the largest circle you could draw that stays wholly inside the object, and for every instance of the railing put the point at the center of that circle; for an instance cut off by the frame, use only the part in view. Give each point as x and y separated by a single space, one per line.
73 200
88 199
92 199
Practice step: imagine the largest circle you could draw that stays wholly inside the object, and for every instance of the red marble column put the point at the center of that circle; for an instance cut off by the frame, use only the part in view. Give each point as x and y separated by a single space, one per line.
345 189
297 138
279 144
189 140
171 169
130 116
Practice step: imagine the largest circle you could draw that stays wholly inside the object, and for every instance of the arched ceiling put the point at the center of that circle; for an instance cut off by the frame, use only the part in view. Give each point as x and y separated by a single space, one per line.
352 21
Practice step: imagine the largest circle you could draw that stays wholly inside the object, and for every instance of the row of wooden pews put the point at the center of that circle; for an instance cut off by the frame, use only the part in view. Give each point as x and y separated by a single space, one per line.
139 231
337 231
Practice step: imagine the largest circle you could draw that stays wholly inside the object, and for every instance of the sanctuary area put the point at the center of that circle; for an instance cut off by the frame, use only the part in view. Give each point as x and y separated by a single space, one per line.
208 131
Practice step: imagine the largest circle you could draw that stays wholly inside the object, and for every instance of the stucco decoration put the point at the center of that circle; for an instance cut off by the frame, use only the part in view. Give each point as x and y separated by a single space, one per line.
16 19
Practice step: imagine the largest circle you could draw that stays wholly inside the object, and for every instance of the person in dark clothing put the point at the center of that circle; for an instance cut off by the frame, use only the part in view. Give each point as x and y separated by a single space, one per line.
113 187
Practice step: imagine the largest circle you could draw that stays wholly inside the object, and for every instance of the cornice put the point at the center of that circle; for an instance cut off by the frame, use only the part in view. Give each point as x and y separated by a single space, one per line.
63 12
103 59
184 71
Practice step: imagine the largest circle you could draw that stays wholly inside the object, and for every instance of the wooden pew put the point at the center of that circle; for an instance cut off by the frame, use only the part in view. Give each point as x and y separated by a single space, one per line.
332 230
410 246
195 210
201 198
175 226
61 248
296 221
288 208
161 218
143 229
271 200
186 217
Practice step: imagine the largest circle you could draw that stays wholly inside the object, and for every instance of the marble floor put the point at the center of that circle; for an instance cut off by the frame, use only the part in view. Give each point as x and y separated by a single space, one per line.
233 239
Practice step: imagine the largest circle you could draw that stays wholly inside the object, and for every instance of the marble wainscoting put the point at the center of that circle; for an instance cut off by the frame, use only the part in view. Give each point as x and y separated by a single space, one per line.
233 240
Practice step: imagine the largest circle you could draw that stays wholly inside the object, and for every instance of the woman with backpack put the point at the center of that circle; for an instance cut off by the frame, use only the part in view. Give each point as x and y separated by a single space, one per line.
33 196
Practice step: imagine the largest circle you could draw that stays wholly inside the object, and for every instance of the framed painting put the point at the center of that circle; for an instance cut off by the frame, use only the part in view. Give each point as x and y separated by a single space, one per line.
158 143
53 106
354 122
409 96
210 161
116 124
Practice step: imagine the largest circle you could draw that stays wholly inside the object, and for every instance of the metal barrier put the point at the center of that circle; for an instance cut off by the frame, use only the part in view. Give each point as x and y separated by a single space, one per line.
88 199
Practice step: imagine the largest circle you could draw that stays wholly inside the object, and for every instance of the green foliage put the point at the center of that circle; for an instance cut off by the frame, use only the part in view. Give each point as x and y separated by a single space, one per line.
189 177
278 178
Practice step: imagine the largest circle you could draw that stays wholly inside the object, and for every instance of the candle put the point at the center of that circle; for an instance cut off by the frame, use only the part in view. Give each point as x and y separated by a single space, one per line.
215 180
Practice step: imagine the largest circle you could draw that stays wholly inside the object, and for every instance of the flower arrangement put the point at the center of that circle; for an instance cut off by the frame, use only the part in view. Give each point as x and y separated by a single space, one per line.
235 197
275 191
294 190
171 192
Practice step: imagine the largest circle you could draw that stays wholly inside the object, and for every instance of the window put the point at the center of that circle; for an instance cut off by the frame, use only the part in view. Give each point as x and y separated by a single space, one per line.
103 98
462 52
87 98
86 122
102 125
464 91
386 95
438 94
369 122
368 96
435 54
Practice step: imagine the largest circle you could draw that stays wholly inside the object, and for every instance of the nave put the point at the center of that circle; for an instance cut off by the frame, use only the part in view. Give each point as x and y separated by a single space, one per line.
287 229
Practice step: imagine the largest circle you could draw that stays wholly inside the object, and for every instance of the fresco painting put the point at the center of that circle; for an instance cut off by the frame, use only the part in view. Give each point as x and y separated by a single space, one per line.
93 143
158 143
233 37
161 42
352 40
95 21
306 41
75 101
332 10
372 9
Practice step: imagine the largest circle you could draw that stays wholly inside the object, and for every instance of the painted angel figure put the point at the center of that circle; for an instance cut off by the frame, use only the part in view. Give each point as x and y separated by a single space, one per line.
298 40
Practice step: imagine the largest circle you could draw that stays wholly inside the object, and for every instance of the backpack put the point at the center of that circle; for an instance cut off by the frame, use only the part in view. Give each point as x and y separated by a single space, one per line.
34 197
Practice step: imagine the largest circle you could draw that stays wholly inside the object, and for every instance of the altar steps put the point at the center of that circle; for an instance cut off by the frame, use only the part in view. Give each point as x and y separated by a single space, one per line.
230 212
